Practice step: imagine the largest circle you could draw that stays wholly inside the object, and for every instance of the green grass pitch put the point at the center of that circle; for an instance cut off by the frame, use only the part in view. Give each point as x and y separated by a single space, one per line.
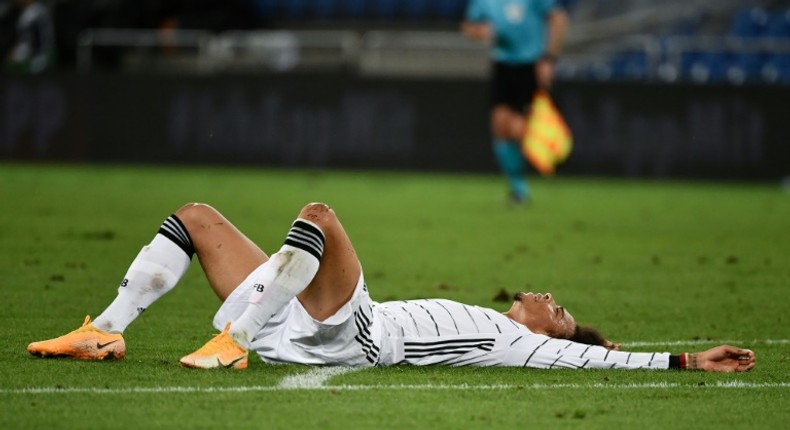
659 266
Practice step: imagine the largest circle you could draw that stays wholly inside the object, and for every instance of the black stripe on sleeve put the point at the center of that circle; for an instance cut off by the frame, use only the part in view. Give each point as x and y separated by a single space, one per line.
416 326
452 346
448 342
466 308
451 316
517 339
489 319
535 350
435 325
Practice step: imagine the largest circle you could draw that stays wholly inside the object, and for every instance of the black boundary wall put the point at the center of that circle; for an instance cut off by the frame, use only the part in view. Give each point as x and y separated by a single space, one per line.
344 121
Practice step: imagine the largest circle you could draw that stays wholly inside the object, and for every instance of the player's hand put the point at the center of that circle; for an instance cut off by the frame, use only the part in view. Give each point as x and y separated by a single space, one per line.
723 358
544 73
608 344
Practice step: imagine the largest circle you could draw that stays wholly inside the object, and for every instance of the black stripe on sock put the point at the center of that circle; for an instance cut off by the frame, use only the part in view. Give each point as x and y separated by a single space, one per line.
309 227
174 230
307 238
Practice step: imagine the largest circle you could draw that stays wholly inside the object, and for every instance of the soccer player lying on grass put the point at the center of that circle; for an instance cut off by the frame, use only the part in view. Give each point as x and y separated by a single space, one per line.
308 303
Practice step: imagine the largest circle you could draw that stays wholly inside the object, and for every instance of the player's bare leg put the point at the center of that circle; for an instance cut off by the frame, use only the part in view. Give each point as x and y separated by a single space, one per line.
334 283
155 270
316 263
225 253
227 257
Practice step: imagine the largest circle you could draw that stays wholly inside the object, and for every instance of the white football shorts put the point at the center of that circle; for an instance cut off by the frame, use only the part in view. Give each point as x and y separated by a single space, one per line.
346 338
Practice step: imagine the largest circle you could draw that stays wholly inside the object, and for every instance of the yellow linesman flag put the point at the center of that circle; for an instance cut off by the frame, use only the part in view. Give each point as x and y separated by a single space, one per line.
548 140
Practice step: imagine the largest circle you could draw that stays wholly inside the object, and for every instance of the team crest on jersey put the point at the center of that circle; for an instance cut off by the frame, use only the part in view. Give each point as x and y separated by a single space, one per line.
514 12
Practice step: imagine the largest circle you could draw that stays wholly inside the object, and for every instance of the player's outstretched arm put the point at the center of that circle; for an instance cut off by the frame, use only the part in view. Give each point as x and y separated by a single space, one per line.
724 358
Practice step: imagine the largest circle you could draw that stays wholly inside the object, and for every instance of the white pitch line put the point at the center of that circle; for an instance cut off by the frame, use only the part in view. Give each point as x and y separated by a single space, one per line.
411 387
314 378
708 342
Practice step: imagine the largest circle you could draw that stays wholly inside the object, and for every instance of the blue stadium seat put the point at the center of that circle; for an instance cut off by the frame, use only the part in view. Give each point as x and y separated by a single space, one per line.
351 9
750 22
295 9
325 9
417 10
617 65
750 64
597 72
384 9
630 66
687 62
567 4
637 66
450 10
742 68
705 67
777 69
779 24
718 65
266 9
784 69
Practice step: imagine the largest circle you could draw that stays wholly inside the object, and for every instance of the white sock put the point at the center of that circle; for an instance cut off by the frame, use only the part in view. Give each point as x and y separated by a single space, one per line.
279 280
155 271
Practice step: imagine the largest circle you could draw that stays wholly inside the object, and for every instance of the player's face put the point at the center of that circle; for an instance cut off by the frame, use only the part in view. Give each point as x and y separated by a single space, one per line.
540 313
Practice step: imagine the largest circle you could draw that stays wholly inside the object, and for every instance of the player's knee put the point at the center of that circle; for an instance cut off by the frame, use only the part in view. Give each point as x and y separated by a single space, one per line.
320 214
193 215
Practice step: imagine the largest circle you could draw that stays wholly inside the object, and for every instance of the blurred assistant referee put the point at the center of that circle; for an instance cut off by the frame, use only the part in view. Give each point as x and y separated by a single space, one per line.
525 37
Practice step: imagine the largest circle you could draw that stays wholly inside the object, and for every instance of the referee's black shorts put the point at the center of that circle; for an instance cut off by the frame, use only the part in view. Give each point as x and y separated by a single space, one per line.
513 85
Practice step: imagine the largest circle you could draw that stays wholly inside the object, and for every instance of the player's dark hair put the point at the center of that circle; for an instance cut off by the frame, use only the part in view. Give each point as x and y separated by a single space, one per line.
587 335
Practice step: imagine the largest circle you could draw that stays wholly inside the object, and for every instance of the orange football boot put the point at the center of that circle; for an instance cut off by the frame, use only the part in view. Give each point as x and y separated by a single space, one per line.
84 343
221 351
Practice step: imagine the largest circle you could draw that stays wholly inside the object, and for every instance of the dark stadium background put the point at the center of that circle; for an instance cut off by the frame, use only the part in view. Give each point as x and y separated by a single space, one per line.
671 89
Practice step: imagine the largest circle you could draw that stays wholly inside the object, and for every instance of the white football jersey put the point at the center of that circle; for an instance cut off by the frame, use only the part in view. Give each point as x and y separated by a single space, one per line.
437 331
418 332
